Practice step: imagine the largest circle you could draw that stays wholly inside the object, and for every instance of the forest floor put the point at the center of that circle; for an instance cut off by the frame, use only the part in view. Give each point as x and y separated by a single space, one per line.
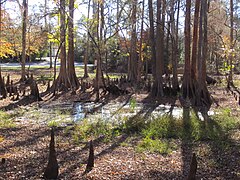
24 145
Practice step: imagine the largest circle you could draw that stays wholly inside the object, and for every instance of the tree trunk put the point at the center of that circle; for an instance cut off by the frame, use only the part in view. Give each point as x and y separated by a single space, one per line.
193 168
50 54
24 32
71 68
217 63
195 39
99 74
159 47
0 26
3 90
140 61
62 82
48 28
186 85
153 47
230 78
87 48
203 100
174 30
132 76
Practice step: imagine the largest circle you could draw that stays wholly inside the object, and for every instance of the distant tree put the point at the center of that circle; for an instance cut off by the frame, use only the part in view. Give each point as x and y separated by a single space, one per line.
86 54
5 45
218 36
230 77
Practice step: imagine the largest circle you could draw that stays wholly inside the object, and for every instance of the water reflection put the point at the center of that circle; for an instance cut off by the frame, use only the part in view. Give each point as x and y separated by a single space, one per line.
115 112
112 112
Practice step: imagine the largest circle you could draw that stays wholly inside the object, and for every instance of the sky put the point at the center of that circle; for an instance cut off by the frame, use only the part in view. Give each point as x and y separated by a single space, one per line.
13 8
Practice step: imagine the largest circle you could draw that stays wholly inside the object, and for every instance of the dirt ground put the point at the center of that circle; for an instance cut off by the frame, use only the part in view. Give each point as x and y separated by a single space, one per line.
25 148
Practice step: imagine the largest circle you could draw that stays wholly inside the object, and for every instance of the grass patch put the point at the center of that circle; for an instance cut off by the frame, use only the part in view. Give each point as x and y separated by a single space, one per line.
226 120
43 77
158 134
98 128
6 120
163 127
53 123
155 146
59 117
134 124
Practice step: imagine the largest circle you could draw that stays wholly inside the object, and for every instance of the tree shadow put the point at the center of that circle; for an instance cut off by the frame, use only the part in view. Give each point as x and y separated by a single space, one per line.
33 139
153 175
186 145
223 154
24 154
26 100
83 153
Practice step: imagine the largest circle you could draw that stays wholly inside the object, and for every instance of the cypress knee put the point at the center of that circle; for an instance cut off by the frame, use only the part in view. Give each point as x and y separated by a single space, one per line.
3 160
90 163
193 168
35 91
51 172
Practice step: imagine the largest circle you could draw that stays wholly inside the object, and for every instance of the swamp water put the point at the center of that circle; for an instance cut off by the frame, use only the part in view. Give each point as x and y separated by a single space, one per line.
112 112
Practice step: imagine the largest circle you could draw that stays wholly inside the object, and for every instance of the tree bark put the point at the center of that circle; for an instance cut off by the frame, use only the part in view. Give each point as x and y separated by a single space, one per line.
24 33
62 82
193 168
203 100
186 86
174 30
99 29
140 61
153 47
71 68
87 48
195 39
3 90
230 78
132 76
160 47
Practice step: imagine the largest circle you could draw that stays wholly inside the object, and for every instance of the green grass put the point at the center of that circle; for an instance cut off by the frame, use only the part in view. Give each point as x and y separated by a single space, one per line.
6 120
86 129
59 117
226 120
158 134
216 128
155 145
43 77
